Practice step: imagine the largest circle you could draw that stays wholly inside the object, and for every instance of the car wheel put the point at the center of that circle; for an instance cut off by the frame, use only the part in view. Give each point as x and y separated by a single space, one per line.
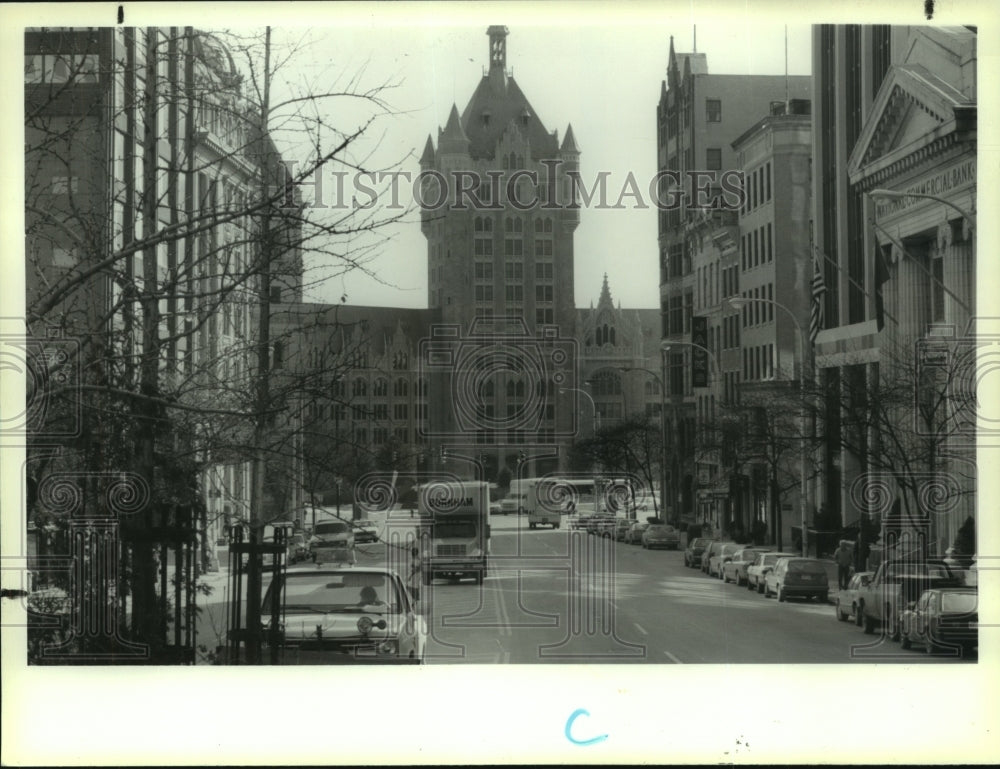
841 617
762 587
823 597
869 623
781 594
929 646
725 579
905 641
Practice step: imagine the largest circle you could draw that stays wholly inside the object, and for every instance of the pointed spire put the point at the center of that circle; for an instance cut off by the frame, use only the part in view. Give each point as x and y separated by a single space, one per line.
453 128
569 142
427 159
453 138
605 293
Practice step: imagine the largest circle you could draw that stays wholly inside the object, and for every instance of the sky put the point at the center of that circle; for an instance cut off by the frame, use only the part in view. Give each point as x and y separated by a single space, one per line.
603 77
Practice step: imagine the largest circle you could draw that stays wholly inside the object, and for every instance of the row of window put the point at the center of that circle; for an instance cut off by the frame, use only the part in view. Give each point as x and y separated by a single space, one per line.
757 247
511 247
758 362
380 411
380 388
758 187
761 310
542 225
61 68
676 314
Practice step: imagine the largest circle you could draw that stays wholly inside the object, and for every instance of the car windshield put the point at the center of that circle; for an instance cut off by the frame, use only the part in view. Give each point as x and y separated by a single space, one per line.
330 527
657 530
700 542
806 567
454 530
348 593
958 603
729 549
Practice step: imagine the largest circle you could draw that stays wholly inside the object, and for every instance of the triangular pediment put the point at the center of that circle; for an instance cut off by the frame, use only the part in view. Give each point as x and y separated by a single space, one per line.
912 109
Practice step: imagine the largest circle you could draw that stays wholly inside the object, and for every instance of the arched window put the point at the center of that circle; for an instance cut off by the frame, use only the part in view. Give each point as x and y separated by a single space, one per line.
402 388
360 388
488 388
421 388
381 388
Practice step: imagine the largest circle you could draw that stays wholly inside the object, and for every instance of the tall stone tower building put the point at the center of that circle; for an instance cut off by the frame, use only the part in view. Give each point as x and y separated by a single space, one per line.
499 215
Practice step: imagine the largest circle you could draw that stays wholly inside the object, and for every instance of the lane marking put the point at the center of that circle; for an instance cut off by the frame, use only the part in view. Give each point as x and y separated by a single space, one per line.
672 658
640 628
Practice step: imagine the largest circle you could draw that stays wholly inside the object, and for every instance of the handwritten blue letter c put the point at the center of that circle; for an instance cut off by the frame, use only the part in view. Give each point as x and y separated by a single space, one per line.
569 729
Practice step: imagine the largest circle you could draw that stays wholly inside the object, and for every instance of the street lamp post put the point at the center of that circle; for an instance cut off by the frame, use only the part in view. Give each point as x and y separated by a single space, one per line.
737 302
596 421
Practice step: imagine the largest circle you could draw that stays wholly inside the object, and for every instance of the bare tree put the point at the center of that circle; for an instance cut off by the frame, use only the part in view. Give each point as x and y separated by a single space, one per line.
159 220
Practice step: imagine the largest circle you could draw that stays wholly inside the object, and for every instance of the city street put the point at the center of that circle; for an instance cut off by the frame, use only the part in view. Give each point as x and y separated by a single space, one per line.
560 596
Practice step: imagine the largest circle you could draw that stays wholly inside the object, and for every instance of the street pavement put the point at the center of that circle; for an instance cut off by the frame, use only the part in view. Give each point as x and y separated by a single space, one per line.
560 596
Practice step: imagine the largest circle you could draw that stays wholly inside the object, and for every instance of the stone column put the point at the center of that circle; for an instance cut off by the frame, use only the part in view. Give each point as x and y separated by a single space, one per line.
955 242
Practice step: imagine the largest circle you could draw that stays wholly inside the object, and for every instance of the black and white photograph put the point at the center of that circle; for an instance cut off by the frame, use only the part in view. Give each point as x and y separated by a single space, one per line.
499 362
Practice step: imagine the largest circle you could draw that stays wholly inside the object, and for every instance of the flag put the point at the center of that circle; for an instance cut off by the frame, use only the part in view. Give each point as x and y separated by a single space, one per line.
881 276
817 317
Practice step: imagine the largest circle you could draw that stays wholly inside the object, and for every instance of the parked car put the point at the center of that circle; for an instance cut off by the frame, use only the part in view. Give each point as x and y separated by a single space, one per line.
496 508
717 559
846 603
661 535
601 524
735 569
365 531
694 550
897 583
577 522
942 618
805 577
761 565
622 525
344 615
634 534
714 547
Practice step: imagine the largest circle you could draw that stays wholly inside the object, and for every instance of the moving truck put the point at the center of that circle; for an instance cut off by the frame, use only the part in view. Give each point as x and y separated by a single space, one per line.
455 518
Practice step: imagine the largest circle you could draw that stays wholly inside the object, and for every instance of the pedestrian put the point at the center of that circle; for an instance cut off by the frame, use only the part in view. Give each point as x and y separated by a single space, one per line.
844 558
416 573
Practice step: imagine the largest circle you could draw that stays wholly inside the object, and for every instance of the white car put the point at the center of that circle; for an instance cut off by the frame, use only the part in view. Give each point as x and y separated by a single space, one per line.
723 553
343 614
736 568
762 564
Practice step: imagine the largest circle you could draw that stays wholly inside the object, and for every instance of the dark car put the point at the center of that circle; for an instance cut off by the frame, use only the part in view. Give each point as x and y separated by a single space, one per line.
365 531
805 577
942 619
694 550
